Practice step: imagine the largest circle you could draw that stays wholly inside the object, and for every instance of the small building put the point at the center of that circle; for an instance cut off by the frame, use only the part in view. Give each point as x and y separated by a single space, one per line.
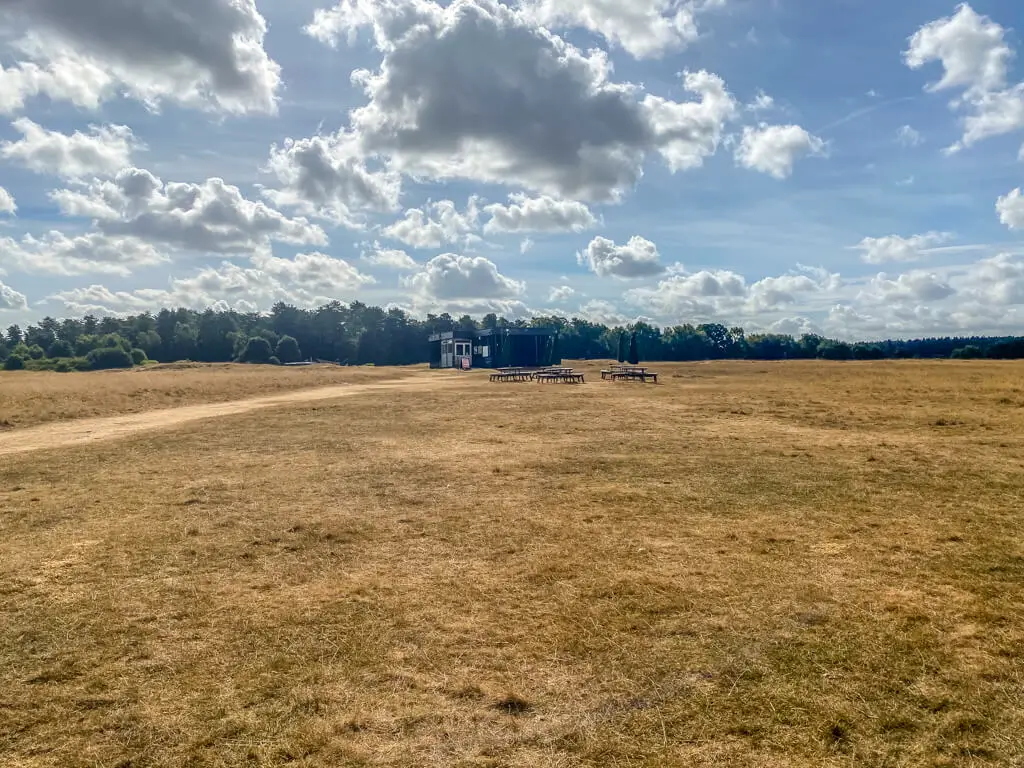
495 348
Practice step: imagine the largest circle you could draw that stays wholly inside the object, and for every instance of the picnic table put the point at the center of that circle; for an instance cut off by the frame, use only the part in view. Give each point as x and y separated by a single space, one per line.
550 374
566 375
512 374
629 373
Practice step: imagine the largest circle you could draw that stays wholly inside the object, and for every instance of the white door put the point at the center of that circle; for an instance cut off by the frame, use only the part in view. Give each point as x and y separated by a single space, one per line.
463 354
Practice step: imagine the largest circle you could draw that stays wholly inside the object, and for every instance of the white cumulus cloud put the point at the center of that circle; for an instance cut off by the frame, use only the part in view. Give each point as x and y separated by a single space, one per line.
637 258
453 277
11 299
389 258
774 149
197 53
212 217
103 151
877 250
434 225
1010 208
57 254
479 90
538 214
7 204
970 47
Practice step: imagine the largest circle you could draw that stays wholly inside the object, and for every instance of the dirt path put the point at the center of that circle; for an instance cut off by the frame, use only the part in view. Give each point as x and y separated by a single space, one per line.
83 431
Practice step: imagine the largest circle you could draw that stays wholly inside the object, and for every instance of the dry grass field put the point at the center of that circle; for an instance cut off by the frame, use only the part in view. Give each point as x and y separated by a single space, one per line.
36 398
750 564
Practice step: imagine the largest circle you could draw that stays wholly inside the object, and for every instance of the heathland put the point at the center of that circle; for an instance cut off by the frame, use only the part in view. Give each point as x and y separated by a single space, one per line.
747 564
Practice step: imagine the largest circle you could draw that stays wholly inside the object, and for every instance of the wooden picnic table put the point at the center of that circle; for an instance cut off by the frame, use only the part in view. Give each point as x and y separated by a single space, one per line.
629 372
512 374
564 375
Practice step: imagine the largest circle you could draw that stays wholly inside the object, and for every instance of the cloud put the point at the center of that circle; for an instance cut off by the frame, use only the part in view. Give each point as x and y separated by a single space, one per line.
997 281
722 294
877 250
11 300
637 258
539 214
700 294
773 149
908 136
103 151
642 28
1011 209
687 132
389 258
57 254
772 293
560 294
975 57
970 47
7 204
197 53
435 224
311 275
526 245
761 103
603 312
994 113
327 176
915 286
307 280
794 326
212 217
452 277
478 90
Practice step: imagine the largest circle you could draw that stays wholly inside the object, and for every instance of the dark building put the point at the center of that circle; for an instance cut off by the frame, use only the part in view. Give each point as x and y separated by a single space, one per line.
495 348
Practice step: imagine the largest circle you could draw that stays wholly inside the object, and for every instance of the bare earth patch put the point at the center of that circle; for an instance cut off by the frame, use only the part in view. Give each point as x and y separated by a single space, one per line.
747 565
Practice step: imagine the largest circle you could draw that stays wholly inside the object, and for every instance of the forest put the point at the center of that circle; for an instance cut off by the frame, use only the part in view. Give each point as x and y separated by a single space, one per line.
357 334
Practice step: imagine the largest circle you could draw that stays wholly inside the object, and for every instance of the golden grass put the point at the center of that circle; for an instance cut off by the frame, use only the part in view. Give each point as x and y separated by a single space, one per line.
28 398
748 565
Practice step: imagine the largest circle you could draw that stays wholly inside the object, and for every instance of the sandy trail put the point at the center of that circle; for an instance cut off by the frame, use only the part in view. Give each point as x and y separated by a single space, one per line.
84 431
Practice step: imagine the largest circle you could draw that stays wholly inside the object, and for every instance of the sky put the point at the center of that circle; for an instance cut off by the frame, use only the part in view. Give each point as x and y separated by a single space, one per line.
851 167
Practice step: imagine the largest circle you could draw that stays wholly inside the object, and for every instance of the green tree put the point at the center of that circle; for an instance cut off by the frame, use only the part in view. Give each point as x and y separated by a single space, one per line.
14 363
60 348
257 350
107 358
621 357
969 352
634 352
288 350
108 340
835 350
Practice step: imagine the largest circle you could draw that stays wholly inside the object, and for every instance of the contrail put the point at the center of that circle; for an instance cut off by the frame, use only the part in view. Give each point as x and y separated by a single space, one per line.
864 111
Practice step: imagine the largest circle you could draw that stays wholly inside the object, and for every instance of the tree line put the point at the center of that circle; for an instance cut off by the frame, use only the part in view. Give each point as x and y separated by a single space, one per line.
358 334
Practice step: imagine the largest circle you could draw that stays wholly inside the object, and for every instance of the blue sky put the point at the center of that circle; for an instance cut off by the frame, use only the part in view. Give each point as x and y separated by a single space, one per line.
549 151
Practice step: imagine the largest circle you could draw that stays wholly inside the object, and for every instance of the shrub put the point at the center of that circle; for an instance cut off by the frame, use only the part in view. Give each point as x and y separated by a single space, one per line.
36 352
288 350
109 358
970 352
63 365
257 350
81 364
114 340
14 363
274 360
139 357
60 348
